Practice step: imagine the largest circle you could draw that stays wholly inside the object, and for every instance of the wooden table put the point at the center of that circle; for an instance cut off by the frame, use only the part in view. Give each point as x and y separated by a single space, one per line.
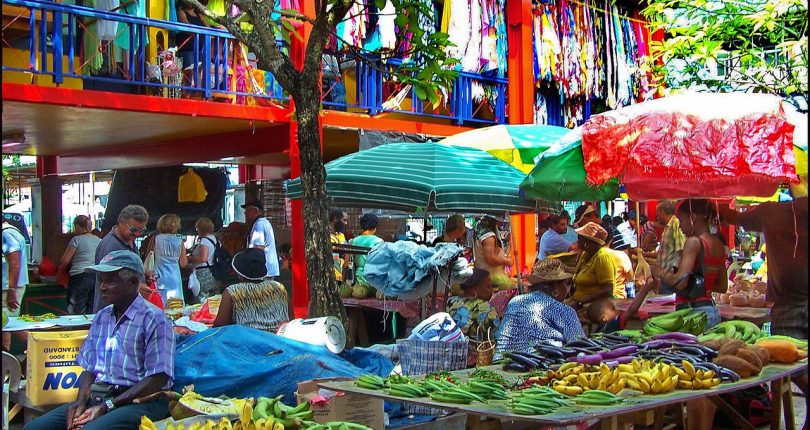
777 375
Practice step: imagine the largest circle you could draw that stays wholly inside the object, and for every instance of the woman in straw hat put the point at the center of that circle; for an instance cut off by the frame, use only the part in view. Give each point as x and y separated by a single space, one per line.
595 272
539 315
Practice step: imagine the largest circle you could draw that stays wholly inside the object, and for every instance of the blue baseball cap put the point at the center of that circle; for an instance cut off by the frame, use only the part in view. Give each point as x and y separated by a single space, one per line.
117 260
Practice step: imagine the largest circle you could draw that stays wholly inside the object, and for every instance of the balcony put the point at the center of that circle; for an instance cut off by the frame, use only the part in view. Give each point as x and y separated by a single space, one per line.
44 45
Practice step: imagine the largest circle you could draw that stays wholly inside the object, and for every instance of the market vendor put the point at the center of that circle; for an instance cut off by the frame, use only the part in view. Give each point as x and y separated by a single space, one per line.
555 239
471 310
128 354
256 301
784 225
539 315
488 251
595 272
693 216
454 229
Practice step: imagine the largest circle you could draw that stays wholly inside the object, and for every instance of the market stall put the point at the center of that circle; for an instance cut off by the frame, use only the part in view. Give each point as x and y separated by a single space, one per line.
573 413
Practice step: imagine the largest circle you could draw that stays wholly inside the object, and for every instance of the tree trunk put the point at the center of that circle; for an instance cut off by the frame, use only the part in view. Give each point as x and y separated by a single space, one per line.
324 296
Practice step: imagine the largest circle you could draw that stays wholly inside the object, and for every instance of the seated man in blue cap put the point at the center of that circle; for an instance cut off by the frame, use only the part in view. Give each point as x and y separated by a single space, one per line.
128 354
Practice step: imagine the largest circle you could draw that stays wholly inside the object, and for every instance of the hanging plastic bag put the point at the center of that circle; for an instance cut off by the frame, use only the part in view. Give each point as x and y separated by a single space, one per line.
194 283
190 188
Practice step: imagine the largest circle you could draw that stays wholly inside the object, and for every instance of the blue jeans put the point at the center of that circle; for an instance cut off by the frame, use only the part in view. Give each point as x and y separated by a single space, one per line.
712 314
122 418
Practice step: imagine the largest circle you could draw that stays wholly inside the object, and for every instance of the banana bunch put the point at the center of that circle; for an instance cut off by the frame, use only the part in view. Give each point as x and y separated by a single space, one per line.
649 377
371 382
537 401
745 331
456 395
690 378
685 321
576 380
272 414
597 398
487 389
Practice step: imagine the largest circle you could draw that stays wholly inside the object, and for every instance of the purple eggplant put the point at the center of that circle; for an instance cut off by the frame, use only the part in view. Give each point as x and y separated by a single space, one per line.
619 352
592 359
624 359
655 344
676 336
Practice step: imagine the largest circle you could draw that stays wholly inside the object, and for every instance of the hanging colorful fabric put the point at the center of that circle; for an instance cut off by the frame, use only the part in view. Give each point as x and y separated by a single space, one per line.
190 188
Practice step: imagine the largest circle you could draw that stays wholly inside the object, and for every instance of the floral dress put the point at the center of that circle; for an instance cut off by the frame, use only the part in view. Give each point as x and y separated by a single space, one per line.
474 317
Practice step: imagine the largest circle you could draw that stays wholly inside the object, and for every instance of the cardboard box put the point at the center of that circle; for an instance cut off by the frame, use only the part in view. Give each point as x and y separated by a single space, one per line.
354 408
53 375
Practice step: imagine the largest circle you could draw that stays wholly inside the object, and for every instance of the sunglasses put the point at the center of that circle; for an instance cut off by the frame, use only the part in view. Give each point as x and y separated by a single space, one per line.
136 230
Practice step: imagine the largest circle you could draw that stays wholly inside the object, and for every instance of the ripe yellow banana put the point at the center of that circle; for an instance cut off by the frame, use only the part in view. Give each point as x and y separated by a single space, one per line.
656 387
683 376
699 374
569 390
684 385
644 386
688 368
626 368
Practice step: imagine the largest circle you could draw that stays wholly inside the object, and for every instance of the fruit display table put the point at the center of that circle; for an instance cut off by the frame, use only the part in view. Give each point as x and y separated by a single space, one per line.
757 316
776 374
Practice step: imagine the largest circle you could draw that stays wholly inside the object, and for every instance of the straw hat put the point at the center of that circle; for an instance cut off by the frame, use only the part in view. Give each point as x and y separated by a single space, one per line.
548 270
594 232
582 211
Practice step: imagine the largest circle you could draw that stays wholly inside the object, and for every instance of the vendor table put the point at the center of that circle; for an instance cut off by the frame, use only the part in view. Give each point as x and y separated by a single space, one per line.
778 375
64 322
757 316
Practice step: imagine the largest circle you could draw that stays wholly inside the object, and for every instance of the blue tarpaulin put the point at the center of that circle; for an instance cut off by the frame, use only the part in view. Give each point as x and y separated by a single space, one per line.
239 361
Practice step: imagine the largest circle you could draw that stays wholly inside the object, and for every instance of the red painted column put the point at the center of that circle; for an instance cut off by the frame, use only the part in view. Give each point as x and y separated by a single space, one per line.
519 15
299 265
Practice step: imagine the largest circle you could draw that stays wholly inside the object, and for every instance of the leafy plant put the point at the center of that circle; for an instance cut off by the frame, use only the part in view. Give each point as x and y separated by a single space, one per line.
761 45
297 64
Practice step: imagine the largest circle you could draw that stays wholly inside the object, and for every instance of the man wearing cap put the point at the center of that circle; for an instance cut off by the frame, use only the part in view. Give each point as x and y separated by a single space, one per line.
584 214
539 315
261 236
131 225
128 355
628 230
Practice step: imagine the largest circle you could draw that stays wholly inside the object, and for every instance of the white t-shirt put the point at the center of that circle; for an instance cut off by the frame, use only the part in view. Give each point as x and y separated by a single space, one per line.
628 234
262 235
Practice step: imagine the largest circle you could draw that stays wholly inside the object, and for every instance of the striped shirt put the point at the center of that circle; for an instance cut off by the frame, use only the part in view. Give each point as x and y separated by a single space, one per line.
126 352
672 241
262 306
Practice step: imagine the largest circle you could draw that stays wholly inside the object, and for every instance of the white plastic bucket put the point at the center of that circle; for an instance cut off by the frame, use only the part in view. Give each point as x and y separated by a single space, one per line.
323 331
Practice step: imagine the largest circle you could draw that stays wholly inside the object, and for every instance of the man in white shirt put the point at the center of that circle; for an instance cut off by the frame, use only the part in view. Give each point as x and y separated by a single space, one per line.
15 274
628 230
261 235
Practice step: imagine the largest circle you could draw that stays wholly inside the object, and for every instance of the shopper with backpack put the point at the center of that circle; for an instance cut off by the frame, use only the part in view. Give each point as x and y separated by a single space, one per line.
202 259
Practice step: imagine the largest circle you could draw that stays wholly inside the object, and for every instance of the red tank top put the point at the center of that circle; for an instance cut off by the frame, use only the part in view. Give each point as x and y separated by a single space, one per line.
710 277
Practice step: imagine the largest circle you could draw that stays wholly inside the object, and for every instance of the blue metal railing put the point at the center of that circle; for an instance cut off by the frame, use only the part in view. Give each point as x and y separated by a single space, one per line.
210 46
459 106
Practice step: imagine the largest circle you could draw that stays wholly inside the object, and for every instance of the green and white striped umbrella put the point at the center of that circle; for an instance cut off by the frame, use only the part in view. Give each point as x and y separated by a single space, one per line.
414 176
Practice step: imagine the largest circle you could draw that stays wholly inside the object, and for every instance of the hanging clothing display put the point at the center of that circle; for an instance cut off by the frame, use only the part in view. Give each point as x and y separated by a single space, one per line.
587 50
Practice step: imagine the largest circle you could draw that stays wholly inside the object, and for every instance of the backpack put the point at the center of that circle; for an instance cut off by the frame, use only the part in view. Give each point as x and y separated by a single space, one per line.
221 266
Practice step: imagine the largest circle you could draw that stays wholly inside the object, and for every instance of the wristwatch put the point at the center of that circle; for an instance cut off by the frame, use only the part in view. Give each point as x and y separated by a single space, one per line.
110 405
580 305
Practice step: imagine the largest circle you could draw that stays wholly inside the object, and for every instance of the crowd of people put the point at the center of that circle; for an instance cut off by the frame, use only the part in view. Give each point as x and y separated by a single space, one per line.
561 302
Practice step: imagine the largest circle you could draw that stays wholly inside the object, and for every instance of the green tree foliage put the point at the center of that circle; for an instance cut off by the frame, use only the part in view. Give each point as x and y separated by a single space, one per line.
260 26
761 44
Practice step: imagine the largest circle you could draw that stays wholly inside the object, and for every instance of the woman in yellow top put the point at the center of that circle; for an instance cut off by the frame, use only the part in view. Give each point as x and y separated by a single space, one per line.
595 272
337 227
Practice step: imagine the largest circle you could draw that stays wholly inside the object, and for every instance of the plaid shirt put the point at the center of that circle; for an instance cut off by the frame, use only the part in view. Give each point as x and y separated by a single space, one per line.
128 351
672 241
